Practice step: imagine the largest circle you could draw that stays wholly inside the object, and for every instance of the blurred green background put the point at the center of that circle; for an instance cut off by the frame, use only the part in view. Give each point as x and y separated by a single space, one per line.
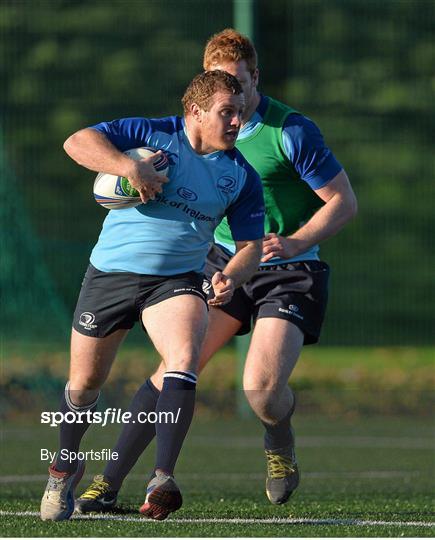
363 70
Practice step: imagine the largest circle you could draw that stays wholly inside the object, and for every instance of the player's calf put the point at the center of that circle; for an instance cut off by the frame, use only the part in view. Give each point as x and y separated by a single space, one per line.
282 469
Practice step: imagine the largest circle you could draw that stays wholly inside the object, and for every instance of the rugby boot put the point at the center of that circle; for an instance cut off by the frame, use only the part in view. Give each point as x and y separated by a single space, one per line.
282 474
98 497
162 497
57 503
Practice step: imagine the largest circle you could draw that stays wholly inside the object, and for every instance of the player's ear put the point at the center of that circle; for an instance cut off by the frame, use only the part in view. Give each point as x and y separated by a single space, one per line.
196 112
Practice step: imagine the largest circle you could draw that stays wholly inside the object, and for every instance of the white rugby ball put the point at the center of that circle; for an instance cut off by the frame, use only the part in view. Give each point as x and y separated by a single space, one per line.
115 192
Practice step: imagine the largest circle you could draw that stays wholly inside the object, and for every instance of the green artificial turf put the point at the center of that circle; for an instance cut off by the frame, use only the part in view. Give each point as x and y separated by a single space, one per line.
378 470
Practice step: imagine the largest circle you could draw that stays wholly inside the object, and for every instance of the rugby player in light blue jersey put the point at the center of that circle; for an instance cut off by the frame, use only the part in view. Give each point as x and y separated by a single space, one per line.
147 265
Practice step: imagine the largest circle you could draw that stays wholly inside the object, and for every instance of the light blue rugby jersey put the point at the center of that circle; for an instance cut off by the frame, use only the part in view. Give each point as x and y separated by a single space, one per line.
172 234
306 150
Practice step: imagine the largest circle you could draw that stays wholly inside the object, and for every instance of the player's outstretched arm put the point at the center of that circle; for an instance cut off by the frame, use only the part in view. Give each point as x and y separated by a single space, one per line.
340 207
240 268
93 150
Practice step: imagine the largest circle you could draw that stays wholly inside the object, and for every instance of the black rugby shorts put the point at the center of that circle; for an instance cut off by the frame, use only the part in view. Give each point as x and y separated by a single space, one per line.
296 292
109 301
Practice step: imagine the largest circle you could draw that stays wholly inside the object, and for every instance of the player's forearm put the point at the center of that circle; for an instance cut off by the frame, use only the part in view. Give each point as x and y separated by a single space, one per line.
326 222
244 263
91 149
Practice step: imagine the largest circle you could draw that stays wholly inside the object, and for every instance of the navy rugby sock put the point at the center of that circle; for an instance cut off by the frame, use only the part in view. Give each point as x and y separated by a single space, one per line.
71 434
279 435
134 437
178 398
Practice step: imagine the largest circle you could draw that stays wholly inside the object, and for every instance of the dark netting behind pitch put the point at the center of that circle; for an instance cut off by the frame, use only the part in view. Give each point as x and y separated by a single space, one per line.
362 70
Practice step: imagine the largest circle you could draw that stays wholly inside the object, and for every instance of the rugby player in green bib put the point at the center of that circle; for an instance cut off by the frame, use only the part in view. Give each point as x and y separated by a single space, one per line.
308 199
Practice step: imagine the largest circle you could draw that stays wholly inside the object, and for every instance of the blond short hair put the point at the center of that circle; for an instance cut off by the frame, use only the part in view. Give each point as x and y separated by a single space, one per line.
205 85
230 46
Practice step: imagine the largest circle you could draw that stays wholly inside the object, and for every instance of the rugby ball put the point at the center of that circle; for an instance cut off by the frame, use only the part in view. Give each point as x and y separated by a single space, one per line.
115 192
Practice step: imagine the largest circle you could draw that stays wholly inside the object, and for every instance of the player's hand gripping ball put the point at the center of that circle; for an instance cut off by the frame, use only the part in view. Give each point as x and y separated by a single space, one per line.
115 192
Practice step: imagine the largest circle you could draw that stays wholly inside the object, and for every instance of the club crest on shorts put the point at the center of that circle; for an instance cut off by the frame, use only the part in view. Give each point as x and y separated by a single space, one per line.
206 286
291 310
86 319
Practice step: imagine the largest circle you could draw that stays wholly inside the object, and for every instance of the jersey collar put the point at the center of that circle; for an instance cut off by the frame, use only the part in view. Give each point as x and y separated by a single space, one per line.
257 117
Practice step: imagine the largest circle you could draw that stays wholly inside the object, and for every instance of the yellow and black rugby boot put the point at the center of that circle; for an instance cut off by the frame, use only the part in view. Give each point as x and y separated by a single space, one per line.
98 497
282 474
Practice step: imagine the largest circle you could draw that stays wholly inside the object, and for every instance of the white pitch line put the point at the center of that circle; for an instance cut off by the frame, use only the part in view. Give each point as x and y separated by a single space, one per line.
12 478
250 521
